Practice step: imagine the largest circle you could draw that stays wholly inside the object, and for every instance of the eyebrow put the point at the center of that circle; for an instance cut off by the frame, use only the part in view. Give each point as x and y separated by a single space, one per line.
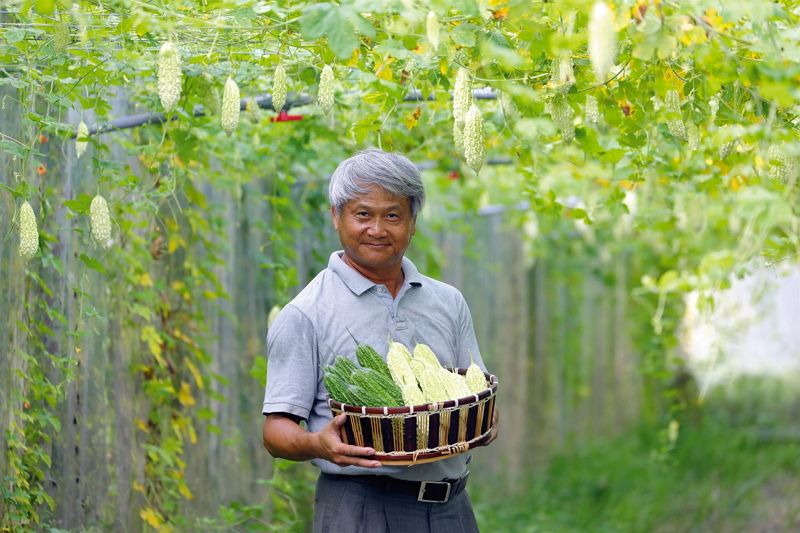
391 207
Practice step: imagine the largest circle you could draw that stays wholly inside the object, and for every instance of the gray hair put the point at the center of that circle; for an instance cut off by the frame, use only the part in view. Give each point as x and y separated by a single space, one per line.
393 172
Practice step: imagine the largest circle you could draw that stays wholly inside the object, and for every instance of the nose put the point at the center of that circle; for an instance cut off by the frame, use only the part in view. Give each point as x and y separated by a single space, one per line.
376 228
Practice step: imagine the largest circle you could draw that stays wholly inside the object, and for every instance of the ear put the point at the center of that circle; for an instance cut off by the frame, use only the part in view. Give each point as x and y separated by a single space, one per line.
335 218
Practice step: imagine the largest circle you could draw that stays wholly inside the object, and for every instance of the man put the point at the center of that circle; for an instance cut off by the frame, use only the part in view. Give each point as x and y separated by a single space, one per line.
371 290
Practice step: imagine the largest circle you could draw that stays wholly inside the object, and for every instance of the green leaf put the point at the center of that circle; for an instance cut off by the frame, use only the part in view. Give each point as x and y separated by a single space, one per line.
464 34
79 205
14 35
668 281
503 56
17 83
205 414
390 47
365 126
666 44
46 7
94 264
13 148
142 311
259 369
340 24
578 214
780 92
467 7
644 50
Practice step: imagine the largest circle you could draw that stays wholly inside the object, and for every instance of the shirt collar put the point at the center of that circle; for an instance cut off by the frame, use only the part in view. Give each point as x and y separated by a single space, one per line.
412 274
358 283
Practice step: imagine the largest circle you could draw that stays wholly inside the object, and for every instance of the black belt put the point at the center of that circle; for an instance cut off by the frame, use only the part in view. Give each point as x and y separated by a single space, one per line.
423 491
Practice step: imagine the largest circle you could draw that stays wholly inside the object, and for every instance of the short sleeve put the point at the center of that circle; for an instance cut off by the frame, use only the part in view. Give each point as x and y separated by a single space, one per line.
467 341
292 370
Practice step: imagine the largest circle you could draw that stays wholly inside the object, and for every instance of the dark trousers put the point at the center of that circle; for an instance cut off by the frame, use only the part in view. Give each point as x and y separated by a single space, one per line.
343 504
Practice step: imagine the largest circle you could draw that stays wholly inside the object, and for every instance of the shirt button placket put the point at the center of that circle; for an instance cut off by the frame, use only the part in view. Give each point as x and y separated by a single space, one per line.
385 298
400 321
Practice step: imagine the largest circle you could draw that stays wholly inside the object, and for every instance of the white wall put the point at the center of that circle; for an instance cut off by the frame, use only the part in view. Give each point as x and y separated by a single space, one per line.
754 328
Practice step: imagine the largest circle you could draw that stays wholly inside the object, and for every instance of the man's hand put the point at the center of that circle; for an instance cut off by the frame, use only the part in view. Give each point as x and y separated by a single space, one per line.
284 437
334 450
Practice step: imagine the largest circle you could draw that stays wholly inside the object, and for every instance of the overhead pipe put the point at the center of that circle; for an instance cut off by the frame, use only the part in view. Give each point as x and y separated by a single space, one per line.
264 102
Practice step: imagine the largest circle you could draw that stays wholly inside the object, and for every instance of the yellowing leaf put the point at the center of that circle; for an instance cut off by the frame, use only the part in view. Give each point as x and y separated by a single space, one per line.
373 97
737 182
353 61
715 21
153 340
412 118
198 378
178 334
177 426
692 35
175 242
145 280
673 81
383 69
500 14
185 395
138 487
151 517
184 490
141 424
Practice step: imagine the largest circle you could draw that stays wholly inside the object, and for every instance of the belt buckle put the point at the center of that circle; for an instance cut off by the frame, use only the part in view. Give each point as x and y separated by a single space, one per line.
424 485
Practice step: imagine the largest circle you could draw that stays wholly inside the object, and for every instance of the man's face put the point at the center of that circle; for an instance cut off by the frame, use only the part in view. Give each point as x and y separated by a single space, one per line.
375 229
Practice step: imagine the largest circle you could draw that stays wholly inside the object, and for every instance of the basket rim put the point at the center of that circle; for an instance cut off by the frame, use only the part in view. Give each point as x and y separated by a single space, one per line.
422 408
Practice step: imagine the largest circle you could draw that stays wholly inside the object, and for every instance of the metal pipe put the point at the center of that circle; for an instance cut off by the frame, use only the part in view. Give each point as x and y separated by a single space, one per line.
264 102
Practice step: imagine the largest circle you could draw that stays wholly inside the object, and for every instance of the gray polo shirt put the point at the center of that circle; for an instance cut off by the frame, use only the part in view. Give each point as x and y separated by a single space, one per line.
313 328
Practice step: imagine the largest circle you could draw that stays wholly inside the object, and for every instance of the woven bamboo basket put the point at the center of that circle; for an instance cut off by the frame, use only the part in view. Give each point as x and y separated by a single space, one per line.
421 433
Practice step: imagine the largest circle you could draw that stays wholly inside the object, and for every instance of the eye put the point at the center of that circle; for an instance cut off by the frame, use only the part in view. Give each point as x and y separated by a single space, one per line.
362 214
393 216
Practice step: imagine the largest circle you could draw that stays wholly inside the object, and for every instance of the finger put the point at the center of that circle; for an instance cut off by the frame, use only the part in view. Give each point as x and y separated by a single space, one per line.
348 449
492 436
339 420
357 461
